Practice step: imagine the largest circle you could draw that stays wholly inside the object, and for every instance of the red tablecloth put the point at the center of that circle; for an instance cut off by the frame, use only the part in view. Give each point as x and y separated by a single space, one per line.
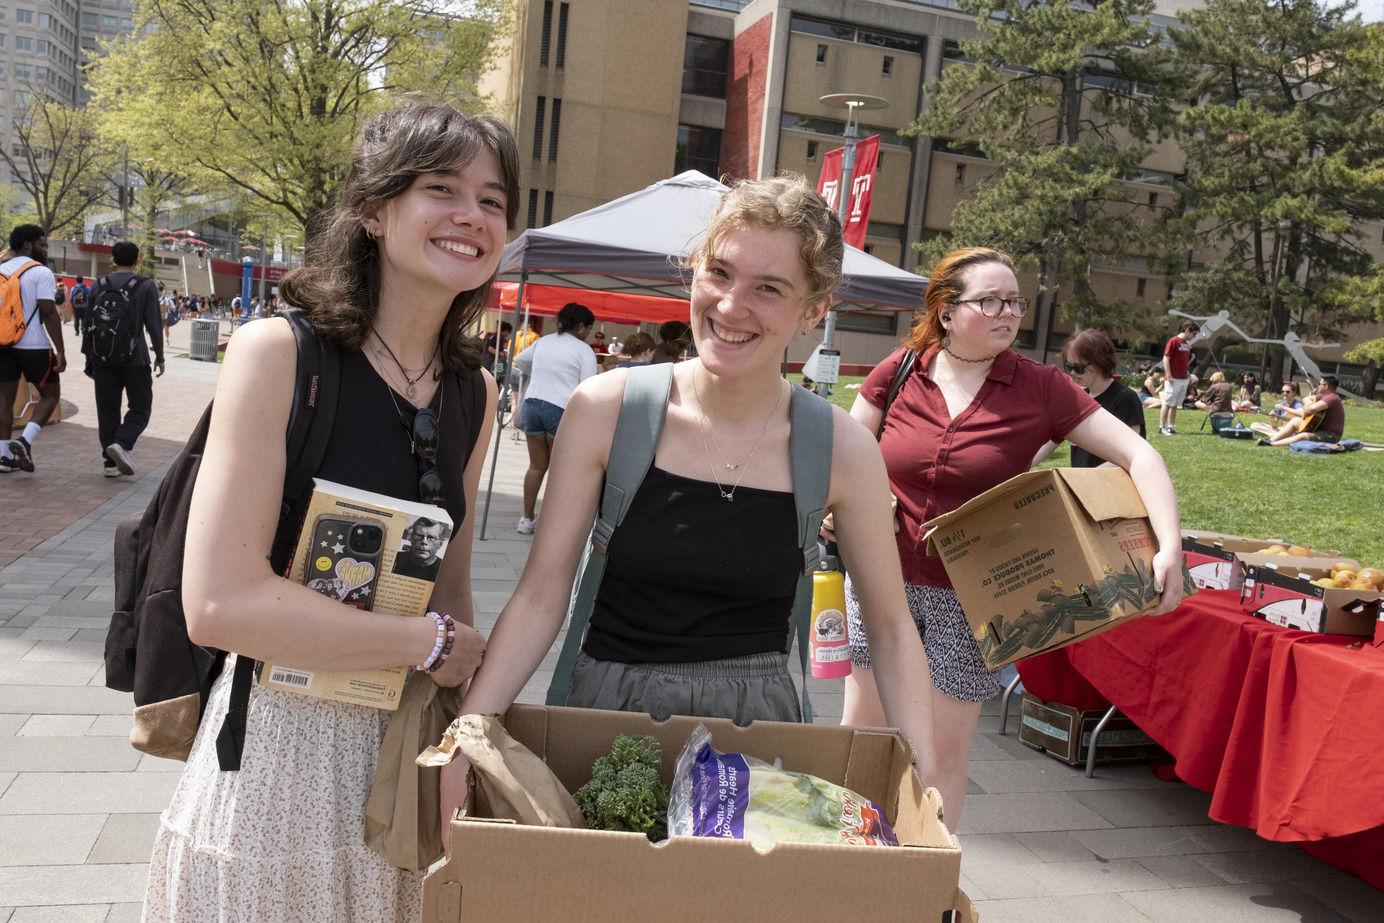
1284 728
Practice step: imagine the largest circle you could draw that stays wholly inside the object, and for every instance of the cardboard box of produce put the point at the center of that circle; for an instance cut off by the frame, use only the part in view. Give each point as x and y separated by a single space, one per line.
1064 732
1289 597
1217 561
1048 558
504 871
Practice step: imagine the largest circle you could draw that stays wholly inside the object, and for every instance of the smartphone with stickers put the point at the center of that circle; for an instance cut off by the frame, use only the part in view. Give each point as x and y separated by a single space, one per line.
344 559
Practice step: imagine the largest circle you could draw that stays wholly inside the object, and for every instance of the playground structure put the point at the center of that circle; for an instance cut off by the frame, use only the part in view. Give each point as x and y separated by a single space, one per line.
1291 342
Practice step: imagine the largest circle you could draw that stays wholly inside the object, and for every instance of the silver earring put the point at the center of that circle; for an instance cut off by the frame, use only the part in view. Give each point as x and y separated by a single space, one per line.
372 233
946 340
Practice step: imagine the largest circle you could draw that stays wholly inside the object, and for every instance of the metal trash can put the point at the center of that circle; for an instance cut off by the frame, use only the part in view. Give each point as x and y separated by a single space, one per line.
205 334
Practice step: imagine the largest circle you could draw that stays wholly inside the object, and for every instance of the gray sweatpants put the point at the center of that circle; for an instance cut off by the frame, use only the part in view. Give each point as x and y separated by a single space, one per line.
744 689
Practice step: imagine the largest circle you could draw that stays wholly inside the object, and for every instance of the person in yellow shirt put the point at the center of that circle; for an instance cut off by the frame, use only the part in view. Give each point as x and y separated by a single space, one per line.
529 335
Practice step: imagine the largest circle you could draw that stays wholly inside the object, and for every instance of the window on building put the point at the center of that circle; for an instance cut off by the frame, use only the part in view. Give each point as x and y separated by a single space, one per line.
951 51
44 20
698 149
812 150
868 323
538 127
821 54
22 72
562 35
44 46
548 206
1139 288
1153 200
553 130
705 65
547 33
959 177
2 40
23 15
23 43
888 67
533 208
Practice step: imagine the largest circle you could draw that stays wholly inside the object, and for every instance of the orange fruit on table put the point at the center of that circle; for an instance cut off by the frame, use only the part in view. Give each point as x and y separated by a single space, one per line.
1361 585
1300 551
1275 549
1326 582
1345 577
1341 565
1371 574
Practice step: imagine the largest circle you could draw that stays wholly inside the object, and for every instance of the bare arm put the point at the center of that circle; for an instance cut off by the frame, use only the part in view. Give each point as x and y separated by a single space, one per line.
232 598
1105 436
860 500
52 322
533 616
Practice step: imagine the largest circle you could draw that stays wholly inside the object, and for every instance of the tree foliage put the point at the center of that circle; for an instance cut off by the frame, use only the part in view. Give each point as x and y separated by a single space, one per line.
1285 161
264 97
1064 100
60 162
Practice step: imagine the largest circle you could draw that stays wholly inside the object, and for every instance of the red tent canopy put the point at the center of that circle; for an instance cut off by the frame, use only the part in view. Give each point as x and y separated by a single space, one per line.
609 307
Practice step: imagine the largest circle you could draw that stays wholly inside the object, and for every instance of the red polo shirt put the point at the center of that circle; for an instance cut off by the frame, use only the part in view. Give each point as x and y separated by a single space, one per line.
936 463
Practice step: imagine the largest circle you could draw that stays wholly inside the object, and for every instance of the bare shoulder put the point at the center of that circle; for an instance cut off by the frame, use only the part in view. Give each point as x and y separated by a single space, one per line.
594 409
851 443
265 346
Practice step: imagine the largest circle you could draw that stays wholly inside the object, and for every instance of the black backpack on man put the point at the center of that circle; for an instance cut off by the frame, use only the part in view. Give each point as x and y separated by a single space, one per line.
148 651
113 322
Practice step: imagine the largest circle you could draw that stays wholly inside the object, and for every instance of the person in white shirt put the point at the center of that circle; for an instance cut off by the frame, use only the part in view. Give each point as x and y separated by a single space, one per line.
39 354
554 366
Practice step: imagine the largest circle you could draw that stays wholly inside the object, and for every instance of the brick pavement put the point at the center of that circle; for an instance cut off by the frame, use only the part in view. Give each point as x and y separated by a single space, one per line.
78 806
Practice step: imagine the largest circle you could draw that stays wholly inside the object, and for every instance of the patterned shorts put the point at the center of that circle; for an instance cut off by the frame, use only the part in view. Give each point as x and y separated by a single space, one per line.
953 656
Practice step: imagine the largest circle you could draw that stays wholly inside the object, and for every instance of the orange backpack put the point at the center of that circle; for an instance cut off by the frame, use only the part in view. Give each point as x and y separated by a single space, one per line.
13 323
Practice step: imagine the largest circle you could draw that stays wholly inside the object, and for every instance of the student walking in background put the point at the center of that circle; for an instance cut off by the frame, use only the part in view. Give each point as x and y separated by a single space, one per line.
31 342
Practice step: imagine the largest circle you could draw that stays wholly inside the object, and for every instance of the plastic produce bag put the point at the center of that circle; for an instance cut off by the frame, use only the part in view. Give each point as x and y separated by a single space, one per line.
739 797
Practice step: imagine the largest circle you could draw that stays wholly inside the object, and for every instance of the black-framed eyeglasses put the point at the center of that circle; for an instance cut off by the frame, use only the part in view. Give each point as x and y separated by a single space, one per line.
425 439
992 306
1075 368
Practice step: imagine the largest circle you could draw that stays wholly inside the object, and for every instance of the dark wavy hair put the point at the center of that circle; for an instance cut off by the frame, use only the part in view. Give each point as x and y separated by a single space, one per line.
339 286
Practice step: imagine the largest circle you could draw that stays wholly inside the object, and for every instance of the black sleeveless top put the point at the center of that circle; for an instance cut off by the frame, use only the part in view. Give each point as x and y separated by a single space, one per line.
371 449
690 576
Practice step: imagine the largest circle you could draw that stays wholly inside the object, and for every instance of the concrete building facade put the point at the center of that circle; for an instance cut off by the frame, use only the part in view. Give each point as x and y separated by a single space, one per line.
607 97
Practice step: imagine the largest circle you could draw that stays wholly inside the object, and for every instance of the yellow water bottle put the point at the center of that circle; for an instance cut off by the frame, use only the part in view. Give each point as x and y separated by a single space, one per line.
829 643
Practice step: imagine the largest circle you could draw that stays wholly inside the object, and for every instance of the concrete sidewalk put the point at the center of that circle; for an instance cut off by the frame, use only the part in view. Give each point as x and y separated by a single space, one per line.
78 806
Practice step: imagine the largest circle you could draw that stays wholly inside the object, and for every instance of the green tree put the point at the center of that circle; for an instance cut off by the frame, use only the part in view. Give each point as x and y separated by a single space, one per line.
59 161
1285 160
1370 354
264 98
1064 100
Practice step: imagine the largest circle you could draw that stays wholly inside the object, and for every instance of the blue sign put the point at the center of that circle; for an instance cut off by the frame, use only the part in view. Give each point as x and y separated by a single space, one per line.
247 268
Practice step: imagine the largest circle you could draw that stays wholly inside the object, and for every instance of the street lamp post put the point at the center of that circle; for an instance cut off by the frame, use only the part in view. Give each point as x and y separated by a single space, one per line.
826 367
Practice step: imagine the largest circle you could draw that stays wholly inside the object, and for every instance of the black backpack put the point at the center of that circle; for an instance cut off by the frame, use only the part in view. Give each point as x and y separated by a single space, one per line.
113 323
148 651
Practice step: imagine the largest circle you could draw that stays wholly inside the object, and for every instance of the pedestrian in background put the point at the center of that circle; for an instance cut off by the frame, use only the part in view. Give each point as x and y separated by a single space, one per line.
38 354
1177 360
554 366
127 376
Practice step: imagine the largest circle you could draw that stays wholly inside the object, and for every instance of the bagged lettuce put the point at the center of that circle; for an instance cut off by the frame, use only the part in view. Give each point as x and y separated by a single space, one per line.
734 796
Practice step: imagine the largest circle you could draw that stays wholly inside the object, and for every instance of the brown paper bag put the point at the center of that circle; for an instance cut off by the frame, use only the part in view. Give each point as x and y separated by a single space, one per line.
401 816
511 783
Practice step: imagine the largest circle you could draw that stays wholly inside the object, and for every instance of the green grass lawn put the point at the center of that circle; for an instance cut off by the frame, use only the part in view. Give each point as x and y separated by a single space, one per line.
1234 485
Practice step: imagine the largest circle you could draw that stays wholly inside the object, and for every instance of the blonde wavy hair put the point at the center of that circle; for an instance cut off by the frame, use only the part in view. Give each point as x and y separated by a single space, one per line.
784 202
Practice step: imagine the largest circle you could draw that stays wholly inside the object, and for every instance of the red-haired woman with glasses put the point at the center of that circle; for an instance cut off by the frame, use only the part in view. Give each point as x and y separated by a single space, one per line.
971 414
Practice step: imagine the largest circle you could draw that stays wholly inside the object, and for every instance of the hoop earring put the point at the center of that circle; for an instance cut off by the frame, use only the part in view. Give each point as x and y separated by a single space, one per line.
371 233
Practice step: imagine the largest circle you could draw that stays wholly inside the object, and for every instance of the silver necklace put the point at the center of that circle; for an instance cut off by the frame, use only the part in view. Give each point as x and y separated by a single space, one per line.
708 442
411 382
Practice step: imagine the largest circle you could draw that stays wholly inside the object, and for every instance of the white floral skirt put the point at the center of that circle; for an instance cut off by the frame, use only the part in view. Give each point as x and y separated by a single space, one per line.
282 838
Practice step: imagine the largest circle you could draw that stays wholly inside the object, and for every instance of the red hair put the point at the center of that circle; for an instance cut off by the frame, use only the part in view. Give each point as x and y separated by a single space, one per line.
946 282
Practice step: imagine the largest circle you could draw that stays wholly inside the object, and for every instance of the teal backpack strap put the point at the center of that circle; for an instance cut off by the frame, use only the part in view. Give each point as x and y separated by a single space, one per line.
809 447
631 454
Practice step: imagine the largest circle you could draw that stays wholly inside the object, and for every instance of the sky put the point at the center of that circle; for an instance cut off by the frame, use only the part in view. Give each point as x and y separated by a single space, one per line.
1372 10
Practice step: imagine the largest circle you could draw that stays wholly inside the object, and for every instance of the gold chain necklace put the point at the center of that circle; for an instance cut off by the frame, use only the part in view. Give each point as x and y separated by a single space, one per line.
708 442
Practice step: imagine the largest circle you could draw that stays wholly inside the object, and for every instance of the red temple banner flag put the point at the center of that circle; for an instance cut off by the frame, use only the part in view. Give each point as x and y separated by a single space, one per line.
862 186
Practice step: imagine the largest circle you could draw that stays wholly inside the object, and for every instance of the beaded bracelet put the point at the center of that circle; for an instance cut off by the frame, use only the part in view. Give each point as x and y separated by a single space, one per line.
442 642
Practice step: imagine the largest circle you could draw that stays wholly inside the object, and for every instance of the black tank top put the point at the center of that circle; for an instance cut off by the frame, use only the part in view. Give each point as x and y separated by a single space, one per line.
370 447
693 577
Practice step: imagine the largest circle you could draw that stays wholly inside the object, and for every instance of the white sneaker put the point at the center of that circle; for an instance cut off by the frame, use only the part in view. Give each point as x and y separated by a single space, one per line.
110 471
121 456
526 525
7 465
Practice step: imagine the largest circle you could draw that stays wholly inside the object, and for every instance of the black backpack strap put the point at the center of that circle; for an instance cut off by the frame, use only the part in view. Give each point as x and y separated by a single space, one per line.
910 359
309 430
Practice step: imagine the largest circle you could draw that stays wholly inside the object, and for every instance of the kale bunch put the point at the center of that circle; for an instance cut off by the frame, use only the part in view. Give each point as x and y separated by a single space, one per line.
626 791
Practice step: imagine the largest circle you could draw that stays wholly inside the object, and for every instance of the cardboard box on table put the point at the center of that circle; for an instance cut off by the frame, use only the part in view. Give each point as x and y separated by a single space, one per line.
1217 561
1064 733
380 589
1285 595
1048 558
504 871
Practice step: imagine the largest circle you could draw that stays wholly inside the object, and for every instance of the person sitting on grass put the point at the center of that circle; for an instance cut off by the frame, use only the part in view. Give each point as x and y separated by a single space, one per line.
1289 399
1149 393
1217 397
1322 418
1247 401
